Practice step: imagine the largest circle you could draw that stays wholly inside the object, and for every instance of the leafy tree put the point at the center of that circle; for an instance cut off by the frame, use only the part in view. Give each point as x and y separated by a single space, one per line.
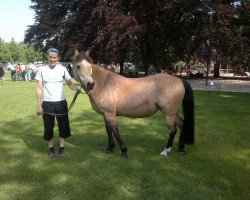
150 31
13 47
230 31
18 52
5 55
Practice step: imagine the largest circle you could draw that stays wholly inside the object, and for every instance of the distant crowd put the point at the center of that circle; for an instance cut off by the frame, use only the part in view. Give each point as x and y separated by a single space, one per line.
24 72
21 72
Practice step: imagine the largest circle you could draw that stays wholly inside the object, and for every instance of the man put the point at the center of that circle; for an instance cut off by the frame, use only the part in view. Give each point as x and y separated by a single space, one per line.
54 105
19 71
2 73
13 71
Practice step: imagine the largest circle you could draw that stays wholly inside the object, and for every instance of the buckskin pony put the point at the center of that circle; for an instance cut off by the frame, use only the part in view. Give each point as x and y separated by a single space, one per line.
113 95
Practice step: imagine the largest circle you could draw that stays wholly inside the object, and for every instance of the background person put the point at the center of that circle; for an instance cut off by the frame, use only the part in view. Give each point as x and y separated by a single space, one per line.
19 72
54 105
2 73
12 71
151 70
24 72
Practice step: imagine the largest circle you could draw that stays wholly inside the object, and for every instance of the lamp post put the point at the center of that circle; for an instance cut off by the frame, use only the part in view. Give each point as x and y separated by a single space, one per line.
208 56
208 50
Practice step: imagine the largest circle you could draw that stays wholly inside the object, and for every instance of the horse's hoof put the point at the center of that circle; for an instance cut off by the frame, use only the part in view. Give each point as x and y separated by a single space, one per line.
165 152
124 155
108 150
182 153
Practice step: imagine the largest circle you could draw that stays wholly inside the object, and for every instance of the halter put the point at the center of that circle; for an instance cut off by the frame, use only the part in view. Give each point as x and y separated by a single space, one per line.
91 71
78 77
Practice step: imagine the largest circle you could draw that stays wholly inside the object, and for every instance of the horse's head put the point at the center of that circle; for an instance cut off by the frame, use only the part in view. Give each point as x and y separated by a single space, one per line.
82 70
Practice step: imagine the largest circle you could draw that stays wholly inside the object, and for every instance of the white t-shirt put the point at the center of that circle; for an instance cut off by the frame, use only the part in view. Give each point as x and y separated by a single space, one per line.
11 67
52 80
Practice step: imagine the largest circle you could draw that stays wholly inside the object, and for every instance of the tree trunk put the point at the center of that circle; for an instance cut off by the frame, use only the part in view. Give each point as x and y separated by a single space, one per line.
217 70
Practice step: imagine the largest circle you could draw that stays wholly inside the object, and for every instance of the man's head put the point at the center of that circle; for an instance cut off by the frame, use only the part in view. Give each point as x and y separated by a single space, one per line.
53 57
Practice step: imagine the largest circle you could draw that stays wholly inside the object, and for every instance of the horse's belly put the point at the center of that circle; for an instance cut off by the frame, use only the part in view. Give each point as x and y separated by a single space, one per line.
139 111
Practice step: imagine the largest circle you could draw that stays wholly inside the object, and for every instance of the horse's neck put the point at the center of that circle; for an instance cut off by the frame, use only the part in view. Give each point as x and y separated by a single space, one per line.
100 76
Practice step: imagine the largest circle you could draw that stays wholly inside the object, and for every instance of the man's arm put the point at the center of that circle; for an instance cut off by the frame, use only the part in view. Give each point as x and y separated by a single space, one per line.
39 92
72 86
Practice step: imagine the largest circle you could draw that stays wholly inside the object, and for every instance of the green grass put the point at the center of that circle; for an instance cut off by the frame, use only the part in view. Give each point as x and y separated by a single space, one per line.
216 167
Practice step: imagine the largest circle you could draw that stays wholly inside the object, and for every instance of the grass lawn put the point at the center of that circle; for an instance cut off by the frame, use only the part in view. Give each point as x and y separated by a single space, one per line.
217 166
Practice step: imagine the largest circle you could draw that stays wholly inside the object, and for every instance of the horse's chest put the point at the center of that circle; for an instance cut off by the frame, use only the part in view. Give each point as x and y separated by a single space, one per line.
96 104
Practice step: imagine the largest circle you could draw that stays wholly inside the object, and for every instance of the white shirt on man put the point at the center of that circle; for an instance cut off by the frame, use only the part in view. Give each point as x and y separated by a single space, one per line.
10 67
52 80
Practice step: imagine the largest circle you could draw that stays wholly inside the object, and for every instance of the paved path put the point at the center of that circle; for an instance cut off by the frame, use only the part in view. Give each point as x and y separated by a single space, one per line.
221 85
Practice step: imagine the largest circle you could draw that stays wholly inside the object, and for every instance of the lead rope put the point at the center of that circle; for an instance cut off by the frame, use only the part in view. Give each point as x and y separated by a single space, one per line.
70 106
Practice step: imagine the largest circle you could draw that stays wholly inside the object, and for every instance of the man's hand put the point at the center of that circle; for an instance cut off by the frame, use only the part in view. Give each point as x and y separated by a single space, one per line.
39 110
39 113
78 91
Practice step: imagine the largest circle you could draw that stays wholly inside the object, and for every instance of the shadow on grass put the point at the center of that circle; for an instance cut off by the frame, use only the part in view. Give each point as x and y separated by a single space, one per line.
211 170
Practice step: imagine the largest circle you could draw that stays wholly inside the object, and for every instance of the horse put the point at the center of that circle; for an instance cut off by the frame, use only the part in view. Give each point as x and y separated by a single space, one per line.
113 95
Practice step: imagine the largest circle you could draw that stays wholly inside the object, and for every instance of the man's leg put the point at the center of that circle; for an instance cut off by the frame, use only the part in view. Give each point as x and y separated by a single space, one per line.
51 143
63 126
61 149
64 132
49 122
62 142
52 152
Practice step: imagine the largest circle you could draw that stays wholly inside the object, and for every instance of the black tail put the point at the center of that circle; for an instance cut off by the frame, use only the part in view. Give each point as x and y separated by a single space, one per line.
188 109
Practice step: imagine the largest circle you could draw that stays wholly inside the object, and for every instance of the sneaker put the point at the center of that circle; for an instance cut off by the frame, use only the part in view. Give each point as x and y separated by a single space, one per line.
61 153
52 154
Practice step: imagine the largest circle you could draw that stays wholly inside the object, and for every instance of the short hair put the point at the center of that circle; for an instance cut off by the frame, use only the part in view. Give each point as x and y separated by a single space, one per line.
53 50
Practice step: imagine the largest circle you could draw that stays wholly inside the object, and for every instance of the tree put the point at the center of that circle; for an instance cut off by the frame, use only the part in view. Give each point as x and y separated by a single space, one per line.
18 52
230 32
5 54
150 31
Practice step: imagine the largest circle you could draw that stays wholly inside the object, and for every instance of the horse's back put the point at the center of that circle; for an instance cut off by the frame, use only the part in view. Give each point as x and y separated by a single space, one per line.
137 97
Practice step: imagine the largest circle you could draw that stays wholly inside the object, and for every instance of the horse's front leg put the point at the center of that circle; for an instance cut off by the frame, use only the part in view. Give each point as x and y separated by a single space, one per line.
111 127
120 142
109 131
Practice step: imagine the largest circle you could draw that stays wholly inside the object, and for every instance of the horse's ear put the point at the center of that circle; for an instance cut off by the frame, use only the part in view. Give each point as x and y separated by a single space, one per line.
76 53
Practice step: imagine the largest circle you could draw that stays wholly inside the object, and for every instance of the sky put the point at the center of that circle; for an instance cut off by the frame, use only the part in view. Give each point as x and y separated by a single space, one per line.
15 16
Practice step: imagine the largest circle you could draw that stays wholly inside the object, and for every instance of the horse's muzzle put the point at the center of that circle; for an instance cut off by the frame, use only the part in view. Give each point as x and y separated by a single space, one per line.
90 86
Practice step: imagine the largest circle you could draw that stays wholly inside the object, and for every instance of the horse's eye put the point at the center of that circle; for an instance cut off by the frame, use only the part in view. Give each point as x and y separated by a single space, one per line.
77 67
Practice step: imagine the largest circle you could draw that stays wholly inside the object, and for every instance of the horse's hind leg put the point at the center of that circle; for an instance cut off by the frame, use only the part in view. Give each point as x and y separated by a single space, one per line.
171 123
181 143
